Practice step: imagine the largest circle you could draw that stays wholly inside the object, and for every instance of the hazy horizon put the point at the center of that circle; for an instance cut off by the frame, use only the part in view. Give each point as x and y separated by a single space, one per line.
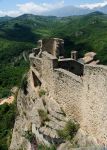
39 7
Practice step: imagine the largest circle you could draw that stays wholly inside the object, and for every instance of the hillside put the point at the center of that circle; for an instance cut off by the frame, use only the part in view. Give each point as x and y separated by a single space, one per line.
5 18
86 33
82 33
18 35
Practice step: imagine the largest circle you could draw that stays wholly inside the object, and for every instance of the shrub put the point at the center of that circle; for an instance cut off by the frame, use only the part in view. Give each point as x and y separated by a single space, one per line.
43 116
29 136
7 120
44 147
42 92
9 137
4 92
69 130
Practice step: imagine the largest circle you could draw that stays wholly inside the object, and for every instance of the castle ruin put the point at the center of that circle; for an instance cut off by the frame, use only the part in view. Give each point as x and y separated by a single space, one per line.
64 89
80 89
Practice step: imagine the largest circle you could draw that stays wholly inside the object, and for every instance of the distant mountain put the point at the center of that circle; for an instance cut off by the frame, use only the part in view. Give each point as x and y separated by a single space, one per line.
96 13
34 18
102 9
68 11
5 18
74 11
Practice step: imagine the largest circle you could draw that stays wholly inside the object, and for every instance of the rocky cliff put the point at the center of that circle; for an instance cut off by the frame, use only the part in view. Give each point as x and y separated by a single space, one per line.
40 115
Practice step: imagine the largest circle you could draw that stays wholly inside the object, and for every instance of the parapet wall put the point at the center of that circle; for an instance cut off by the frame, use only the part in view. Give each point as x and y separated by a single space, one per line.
71 65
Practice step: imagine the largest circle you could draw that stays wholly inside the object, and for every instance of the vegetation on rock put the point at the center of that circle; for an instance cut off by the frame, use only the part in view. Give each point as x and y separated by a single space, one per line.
69 131
43 116
42 92
29 136
44 147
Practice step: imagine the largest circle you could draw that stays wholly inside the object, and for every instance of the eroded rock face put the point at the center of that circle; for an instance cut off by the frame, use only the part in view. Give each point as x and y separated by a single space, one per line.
30 119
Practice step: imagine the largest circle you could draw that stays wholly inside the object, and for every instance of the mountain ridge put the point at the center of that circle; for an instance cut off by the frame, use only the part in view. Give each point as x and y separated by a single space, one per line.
74 10
5 18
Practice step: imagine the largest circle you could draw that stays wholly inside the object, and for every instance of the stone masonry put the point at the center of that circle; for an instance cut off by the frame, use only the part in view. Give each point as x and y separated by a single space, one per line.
80 90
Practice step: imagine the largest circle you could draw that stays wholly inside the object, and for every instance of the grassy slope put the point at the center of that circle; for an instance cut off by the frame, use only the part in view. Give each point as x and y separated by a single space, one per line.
18 35
86 33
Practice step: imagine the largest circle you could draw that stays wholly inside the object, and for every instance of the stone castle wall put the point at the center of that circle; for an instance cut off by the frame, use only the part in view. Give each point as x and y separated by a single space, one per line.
66 86
49 62
82 98
53 46
72 66
94 101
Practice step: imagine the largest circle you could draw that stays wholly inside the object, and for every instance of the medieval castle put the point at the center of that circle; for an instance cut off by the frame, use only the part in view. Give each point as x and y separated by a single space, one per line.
72 89
80 89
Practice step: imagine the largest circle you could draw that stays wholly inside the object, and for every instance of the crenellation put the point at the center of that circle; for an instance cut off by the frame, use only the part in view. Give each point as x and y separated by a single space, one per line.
74 55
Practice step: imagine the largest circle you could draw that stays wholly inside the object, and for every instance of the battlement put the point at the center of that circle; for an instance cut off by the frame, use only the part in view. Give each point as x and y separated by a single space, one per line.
55 51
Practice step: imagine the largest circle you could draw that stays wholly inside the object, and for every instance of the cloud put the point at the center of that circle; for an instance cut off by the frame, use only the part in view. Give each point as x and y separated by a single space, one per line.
32 7
94 5
10 13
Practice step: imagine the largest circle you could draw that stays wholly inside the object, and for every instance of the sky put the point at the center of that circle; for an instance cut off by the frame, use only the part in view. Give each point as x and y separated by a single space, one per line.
18 7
